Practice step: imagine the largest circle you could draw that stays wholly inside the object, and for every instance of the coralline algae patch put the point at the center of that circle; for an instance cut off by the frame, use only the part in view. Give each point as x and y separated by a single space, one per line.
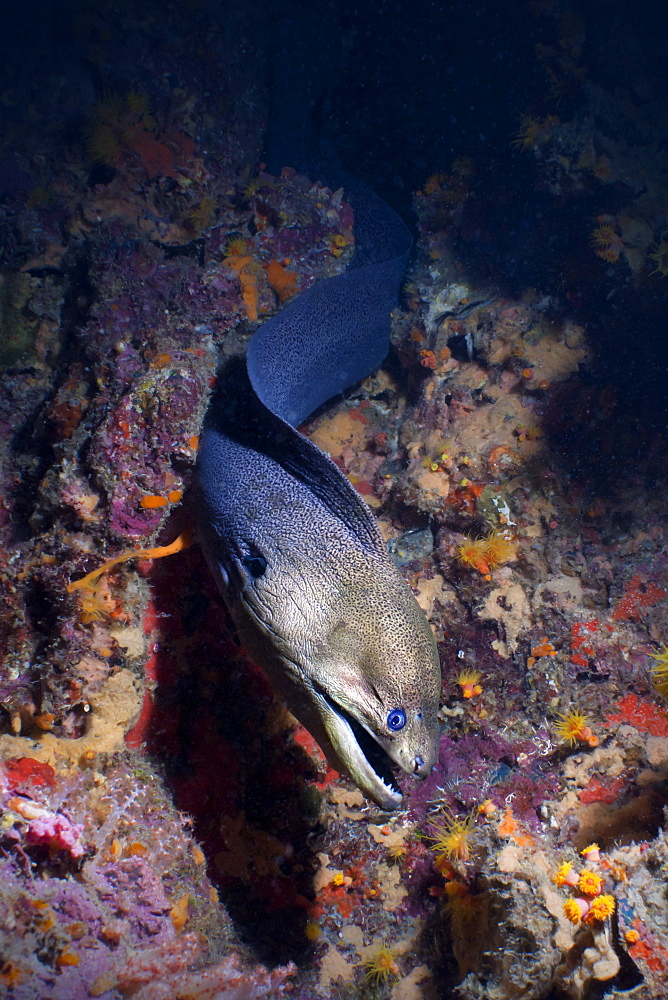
123 902
144 447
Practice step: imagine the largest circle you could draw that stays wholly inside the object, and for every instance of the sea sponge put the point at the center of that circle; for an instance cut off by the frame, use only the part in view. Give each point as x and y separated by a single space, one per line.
283 282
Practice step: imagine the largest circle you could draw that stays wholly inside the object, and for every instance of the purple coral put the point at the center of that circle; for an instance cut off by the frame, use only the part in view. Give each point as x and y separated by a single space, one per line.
44 828
162 973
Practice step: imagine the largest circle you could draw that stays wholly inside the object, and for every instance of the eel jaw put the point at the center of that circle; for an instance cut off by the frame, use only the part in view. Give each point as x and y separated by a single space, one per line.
353 750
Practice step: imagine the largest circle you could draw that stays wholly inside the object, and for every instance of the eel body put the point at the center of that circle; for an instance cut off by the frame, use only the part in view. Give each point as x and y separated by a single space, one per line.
296 552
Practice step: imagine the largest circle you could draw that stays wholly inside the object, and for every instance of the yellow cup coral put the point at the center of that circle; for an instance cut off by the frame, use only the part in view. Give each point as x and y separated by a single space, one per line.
590 883
601 908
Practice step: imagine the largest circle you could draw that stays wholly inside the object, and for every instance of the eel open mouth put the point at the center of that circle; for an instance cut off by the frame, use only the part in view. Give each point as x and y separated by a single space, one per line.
373 751
362 756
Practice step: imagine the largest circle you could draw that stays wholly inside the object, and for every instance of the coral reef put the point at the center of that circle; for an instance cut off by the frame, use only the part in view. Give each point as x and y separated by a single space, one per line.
166 828
119 879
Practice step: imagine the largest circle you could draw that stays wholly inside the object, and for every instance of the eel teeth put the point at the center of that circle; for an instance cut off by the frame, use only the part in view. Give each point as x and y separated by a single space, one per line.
371 755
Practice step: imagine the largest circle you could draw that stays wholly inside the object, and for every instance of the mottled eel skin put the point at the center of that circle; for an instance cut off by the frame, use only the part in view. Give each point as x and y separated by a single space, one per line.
296 552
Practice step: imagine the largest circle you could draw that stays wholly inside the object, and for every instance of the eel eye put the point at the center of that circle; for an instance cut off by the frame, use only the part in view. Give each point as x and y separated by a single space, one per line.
396 719
255 565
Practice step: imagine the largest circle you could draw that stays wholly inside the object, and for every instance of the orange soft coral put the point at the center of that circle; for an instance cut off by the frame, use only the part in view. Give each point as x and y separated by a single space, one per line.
244 268
88 583
283 282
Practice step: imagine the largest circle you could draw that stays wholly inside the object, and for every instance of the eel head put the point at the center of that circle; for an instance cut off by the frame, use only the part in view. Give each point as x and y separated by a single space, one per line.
360 670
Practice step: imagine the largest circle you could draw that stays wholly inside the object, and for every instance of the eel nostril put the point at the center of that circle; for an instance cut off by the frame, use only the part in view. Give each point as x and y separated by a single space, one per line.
418 763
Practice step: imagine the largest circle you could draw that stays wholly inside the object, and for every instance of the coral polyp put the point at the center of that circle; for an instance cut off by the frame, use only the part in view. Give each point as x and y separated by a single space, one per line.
115 126
590 882
659 255
487 552
533 132
380 965
451 839
607 243
473 552
659 671
469 682
576 909
573 728
601 908
97 602
105 140
236 246
500 549
565 875
104 145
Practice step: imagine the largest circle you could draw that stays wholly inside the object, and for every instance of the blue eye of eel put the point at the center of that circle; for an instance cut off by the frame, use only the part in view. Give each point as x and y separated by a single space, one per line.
297 554
396 720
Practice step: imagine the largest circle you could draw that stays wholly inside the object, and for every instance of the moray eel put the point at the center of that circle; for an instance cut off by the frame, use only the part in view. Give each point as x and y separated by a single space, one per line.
296 552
